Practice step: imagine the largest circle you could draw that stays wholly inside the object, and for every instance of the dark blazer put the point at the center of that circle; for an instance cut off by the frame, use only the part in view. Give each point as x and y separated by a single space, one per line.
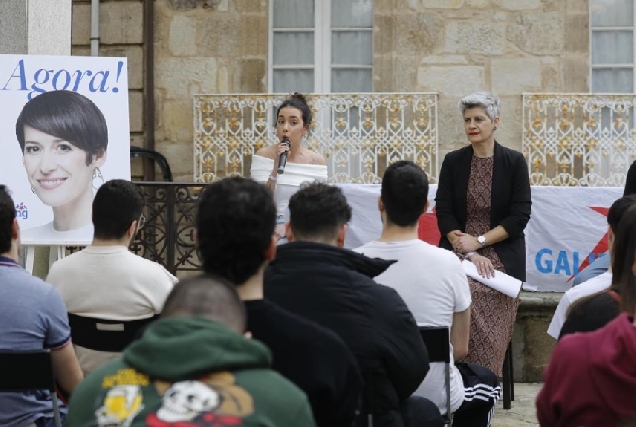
510 204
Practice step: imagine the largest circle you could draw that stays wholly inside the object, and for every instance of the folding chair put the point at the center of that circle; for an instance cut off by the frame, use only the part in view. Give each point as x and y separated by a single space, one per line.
437 341
508 379
105 335
27 371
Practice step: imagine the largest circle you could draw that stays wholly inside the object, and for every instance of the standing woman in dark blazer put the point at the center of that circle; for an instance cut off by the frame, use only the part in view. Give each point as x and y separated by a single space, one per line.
483 206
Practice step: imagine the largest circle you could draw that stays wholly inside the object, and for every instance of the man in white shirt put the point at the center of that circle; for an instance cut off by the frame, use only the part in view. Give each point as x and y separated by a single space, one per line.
598 283
433 285
106 281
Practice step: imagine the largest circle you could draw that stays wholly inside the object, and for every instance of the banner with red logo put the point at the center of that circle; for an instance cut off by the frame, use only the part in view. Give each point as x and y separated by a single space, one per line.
567 229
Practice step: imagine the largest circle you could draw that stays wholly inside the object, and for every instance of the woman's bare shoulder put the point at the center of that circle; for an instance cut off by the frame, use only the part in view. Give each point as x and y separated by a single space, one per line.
317 158
268 152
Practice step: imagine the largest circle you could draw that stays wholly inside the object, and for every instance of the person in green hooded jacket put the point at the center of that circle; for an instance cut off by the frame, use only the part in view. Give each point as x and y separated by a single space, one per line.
192 368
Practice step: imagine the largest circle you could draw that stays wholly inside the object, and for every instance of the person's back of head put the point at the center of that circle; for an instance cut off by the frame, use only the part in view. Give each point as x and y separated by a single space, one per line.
7 220
235 225
117 208
404 193
624 261
618 209
318 213
208 297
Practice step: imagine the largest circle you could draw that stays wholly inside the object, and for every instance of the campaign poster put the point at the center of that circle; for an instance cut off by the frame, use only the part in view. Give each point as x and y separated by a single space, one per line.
64 131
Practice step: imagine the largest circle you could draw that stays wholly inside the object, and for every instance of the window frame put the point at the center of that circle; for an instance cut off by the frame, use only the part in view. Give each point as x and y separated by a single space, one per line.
322 48
625 66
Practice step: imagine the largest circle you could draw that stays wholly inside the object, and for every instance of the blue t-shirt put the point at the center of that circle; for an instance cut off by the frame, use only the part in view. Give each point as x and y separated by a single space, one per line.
32 317
598 267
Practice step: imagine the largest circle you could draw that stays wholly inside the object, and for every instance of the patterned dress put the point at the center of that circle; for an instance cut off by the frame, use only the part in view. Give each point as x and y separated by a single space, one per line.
493 313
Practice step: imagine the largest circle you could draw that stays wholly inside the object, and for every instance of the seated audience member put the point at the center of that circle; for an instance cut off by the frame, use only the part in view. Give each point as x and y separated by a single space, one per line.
106 281
32 317
235 236
591 313
315 277
192 367
432 283
602 264
600 282
591 377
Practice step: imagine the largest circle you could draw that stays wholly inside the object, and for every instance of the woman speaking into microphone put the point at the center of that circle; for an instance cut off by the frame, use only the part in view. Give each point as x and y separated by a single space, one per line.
293 122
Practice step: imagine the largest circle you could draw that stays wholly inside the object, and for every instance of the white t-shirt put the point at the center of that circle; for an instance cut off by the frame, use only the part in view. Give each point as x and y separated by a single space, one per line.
433 285
587 288
111 283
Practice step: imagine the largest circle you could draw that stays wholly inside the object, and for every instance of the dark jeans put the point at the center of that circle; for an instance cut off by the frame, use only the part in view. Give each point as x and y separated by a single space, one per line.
420 412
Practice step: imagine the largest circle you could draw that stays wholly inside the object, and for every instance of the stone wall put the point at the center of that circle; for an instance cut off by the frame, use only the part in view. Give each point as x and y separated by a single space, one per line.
456 47
203 46
121 34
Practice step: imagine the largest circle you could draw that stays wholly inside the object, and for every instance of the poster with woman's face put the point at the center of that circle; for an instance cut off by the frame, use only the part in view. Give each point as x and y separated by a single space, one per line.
64 131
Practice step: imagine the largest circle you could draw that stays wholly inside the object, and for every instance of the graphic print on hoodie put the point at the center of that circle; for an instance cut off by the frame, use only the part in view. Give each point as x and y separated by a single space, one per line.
212 401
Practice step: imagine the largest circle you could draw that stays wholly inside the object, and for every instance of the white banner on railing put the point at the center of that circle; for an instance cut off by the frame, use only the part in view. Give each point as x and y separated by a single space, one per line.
567 228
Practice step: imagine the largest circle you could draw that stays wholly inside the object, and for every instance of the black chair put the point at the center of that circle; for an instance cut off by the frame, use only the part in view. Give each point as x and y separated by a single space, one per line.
27 371
508 379
437 341
105 335
156 157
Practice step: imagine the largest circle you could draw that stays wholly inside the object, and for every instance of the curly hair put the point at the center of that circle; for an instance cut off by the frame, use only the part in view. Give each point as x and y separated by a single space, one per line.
317 211
235 224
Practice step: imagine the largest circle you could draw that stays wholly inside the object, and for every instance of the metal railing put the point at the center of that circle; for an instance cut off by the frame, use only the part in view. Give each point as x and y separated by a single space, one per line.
358 134
579 139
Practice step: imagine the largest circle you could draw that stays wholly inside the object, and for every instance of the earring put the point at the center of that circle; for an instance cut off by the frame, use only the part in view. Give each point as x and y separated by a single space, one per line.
495 128
97 174
32 190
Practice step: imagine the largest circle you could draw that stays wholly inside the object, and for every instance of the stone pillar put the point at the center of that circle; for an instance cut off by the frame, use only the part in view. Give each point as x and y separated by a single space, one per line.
38 27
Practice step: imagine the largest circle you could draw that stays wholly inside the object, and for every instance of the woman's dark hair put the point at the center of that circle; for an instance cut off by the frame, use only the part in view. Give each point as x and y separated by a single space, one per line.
69 116
623 260
297 100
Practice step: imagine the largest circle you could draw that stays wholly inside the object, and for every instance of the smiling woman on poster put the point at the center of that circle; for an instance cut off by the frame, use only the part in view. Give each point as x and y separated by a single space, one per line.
63 137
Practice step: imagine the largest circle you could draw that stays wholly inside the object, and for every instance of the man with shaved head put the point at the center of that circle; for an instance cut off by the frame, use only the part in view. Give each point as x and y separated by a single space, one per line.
194 366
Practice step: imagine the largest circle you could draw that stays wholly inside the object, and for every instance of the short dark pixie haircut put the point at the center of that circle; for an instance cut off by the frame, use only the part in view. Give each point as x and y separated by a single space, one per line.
69 116
208 297
116 205
317 211
297 100
235 225
7 215
404 193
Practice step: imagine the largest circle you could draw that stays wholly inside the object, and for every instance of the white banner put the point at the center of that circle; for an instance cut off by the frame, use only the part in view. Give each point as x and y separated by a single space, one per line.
567 228
64 130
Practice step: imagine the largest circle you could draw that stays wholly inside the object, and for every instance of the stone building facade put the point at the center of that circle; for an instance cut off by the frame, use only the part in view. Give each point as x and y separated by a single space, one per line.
452 47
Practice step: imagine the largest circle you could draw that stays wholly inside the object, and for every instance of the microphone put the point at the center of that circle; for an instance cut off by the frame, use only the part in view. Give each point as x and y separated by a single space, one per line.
282 161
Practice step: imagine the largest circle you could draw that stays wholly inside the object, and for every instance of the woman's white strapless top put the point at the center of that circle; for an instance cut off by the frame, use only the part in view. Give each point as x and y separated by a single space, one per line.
289 182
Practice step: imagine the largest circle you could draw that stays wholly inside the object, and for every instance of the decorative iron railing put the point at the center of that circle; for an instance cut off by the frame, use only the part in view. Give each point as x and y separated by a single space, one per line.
578 139
358 134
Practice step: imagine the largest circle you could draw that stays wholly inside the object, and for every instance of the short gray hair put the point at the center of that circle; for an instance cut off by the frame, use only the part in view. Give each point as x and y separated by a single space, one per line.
486 100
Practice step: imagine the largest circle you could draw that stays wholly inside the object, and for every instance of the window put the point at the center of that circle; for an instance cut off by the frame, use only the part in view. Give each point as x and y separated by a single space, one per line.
321 46
612 46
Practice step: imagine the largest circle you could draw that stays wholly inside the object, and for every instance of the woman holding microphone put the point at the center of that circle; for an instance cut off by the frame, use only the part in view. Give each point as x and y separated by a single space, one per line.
293 122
